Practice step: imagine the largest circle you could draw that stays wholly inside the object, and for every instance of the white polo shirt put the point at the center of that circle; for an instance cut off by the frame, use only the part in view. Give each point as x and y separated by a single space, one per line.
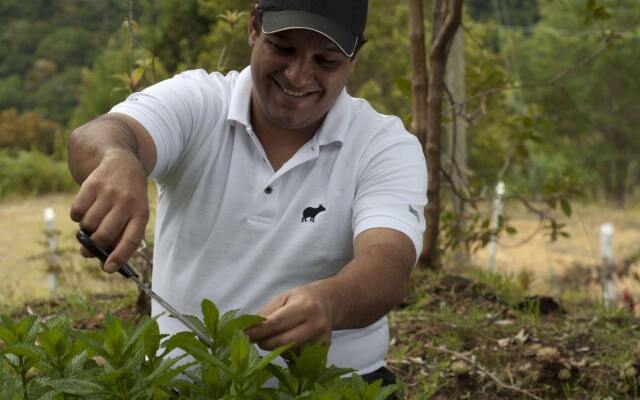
232 230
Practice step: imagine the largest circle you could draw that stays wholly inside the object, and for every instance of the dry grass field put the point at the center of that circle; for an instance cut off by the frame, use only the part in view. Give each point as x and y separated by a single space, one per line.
546 259
23 269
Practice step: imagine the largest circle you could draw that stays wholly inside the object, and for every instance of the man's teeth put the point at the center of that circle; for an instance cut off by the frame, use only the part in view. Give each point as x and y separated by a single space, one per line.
292 93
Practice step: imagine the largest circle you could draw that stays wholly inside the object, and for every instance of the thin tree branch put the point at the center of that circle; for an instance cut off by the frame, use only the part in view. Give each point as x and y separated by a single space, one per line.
449 28
484 370
608 39
462 196
524 241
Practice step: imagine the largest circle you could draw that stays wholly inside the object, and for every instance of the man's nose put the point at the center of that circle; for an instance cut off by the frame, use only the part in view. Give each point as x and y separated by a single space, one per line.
299 72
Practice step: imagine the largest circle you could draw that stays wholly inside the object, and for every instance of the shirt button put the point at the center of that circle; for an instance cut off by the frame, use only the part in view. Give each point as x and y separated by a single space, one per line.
268 190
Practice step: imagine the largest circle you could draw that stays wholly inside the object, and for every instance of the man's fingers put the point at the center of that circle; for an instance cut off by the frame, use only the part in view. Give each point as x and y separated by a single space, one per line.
282 320
128 244
94 217
81 204
274 304
296 336
84 252
299 335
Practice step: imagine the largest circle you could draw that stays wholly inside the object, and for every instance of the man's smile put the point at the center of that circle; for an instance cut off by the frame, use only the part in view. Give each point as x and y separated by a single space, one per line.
293 92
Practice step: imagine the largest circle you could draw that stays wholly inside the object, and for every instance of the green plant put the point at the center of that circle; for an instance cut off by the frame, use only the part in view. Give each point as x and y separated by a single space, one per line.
50 360
31 172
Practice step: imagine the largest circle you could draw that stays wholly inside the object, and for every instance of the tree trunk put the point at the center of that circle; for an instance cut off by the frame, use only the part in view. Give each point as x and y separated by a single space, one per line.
622 169
445 25
457 147
419 78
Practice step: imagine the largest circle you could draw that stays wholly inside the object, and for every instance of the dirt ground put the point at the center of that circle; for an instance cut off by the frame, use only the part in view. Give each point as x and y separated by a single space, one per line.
23 266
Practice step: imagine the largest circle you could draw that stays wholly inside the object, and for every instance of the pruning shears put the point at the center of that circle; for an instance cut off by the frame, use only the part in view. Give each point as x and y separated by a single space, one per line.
129 272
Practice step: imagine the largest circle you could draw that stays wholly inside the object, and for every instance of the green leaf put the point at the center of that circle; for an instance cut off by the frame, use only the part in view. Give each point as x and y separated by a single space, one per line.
164 373
226 330
24 327
52 342
280 374
196 322
71 386
180 340
22 350
211 315
135 339
8 323
552 203
76 364
266 360
385 391
212 379
310 362
152 338
136 77
332 373
239 352
404 85
114 338
566 207
7 336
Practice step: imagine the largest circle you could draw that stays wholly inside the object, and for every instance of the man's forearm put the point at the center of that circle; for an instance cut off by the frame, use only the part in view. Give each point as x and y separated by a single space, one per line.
89 143
368 287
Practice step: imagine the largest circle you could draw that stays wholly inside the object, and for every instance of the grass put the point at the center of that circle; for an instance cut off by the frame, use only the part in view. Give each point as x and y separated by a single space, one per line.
23 246
473 335
481 336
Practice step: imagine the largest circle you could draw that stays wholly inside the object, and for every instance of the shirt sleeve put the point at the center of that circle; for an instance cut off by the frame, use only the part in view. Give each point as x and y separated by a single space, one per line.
174 112
392 186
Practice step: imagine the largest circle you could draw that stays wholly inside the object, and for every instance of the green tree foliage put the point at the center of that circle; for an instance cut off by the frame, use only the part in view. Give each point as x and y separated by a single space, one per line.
43 43
593 109
173 30
27 131
32 173
11 91
507 12
67 45
107 82
384 59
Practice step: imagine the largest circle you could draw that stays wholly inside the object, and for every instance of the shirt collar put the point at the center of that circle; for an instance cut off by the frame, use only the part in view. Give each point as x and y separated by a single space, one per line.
333 129
241 98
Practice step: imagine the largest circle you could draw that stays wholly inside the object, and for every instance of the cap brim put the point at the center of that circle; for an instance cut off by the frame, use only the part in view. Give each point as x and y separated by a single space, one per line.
278 21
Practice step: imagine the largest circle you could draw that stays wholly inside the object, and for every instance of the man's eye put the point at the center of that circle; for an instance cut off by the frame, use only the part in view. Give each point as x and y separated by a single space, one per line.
280 49
327 63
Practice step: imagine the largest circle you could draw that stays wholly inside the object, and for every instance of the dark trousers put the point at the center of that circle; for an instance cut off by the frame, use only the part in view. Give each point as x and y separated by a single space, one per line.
388 378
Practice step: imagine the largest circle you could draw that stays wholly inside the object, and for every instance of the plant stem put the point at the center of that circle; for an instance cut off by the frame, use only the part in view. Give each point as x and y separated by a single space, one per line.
23 376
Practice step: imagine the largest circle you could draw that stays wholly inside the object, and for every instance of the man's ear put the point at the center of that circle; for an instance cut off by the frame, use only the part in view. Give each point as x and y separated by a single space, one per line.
253 35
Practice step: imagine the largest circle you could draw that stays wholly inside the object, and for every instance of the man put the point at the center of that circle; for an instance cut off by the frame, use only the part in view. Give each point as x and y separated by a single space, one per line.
279 193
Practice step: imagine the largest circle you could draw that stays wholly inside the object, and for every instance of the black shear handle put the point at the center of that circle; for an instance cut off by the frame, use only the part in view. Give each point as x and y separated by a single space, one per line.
84 238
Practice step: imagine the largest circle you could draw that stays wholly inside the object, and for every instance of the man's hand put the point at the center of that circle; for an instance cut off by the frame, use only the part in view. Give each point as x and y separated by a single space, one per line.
112 204
361 293
300 315
111 158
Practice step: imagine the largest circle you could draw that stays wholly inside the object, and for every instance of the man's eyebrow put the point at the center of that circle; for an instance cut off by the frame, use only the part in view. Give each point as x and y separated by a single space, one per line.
333 48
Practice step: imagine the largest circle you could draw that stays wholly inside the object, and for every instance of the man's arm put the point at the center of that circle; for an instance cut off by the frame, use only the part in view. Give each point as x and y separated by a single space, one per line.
365 290
111 157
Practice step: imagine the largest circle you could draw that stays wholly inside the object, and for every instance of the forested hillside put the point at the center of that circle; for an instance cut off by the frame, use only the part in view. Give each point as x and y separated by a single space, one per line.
550 86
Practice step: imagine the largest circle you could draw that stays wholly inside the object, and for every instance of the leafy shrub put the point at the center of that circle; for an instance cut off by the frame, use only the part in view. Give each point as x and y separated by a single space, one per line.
31 172
50 360
28 131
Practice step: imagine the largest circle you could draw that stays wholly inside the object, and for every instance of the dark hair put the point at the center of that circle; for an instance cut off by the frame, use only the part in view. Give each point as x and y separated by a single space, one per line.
256 11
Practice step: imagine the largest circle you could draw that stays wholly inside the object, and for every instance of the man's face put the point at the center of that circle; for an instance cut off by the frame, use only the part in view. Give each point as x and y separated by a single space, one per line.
297 75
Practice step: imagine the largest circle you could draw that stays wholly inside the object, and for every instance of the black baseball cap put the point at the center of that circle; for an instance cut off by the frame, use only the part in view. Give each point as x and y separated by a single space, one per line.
342 21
